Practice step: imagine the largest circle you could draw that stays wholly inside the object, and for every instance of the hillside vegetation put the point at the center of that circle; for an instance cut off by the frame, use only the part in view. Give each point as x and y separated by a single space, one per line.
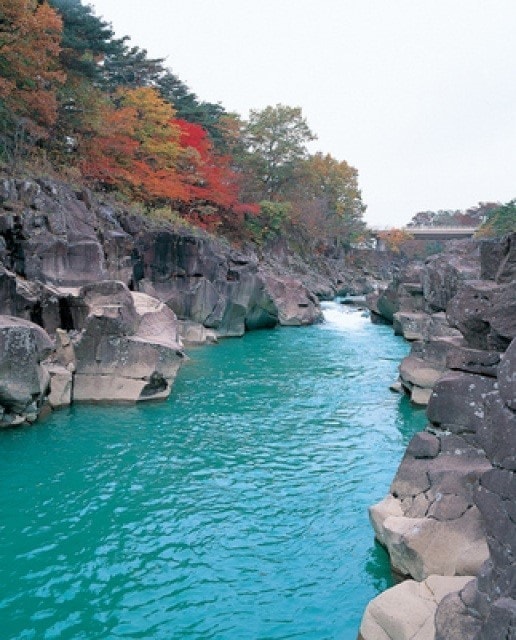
100 111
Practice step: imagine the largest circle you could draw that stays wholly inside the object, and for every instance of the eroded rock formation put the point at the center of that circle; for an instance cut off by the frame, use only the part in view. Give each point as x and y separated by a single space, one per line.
24 381
52 238
450 510
118 294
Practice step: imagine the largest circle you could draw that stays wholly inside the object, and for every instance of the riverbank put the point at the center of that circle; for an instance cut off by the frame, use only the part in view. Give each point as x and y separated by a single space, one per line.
98 303
448 512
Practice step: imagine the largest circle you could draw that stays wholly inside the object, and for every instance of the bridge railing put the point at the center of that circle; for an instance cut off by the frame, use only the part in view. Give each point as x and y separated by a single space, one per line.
443 229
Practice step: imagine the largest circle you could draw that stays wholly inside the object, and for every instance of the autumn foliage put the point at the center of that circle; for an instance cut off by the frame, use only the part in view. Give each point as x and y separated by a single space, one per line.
30 36
145 152
89 103
136 148
395 239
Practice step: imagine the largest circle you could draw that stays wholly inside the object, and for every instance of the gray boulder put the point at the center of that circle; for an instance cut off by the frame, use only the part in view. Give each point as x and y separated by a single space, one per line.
412 326
459 357
24 382
418 377
485 314
457 403
296 305
407 611
128 349
444 274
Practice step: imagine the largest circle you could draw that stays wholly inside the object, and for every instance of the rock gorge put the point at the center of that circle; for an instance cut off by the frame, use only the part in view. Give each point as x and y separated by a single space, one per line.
448 522
97 303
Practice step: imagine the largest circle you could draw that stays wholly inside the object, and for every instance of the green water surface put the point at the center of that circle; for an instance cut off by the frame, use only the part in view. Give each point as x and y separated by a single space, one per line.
235 510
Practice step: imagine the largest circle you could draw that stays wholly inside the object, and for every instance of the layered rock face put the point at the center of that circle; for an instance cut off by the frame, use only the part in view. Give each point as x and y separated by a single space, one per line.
457 309
53 238
219 288
90 298
487 608
450 511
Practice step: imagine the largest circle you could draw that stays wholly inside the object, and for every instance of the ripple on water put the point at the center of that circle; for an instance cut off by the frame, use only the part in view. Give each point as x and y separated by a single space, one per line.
235 510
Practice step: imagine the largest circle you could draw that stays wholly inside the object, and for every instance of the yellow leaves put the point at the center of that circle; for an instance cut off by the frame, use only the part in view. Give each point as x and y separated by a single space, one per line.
137 147
394 239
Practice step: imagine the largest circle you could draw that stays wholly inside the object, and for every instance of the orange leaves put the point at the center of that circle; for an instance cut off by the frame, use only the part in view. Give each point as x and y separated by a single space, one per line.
394 239
30 36
143 151
136 148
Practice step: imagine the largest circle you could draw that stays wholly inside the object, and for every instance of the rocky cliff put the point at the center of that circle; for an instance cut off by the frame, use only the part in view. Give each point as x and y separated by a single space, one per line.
450 510
103 300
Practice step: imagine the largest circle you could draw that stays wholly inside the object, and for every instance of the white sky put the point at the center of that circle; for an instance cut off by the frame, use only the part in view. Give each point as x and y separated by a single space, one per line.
418 95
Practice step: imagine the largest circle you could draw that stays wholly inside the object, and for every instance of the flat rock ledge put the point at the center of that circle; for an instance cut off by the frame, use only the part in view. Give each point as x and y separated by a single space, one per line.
407 611
420 547
120 346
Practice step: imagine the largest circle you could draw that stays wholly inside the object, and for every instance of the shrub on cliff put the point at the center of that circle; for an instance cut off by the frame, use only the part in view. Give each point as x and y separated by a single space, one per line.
500 221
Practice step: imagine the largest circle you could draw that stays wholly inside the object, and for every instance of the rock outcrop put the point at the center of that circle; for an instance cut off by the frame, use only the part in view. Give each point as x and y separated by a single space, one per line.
123 347
407 611
225 291
118 294
450 315
487 608
52 238
128 347
450 507
24 381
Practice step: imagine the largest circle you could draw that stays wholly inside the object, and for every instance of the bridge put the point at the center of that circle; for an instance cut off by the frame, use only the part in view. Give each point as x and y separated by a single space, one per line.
440 233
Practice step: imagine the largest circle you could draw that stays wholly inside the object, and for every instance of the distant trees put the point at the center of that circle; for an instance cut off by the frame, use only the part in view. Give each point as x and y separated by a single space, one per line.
275 140
500 220
327 196
492 218
472 217
395 239
322 195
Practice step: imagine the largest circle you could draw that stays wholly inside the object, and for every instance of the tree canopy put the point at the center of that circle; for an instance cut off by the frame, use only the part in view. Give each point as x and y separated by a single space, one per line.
500 220
472 217
275 140
30 38
95 104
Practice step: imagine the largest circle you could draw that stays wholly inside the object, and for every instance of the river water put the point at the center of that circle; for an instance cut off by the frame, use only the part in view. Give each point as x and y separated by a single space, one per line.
235 510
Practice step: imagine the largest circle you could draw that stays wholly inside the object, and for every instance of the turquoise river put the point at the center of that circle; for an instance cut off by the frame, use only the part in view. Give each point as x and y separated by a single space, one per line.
235 510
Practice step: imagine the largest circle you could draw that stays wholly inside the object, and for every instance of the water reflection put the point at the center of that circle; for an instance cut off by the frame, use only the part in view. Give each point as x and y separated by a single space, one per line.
375 567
